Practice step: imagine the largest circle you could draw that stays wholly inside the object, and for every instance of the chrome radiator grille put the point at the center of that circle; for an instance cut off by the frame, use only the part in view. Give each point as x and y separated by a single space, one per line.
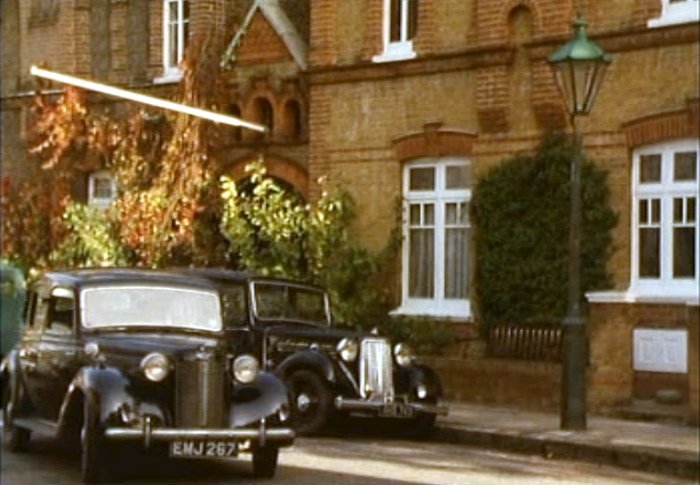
376 370
200 391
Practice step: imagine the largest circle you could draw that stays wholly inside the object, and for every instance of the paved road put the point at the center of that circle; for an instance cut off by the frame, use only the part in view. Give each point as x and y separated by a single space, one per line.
354 459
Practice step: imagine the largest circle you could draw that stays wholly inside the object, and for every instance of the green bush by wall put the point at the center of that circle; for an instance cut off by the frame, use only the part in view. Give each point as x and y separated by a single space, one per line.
520 210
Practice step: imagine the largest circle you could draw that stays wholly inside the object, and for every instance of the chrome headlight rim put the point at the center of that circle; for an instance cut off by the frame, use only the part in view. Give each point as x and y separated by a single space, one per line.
403 354
155 366
245 368
348 349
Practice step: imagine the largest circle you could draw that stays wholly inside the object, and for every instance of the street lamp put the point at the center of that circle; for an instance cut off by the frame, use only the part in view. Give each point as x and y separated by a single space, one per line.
578 68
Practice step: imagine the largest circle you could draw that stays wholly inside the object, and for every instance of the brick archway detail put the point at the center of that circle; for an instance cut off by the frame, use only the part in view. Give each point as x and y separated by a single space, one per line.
278 167
664 126
433 141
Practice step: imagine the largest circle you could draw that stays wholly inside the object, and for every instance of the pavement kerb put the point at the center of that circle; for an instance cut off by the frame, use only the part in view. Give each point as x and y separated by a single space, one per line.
670 462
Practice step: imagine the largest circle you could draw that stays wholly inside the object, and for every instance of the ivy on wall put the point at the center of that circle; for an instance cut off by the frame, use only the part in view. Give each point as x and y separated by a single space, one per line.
521 213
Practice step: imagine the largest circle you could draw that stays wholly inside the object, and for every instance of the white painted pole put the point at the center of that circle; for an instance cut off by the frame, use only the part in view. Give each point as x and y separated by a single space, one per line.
144 99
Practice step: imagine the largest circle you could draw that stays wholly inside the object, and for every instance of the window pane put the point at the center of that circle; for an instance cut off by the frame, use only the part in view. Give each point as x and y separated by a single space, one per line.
644 211
685 166
678 210
414 218
395 21
456 253
421 263
429 215
690 208
422 178
684 252
451 213
649 253
102 188
655 210
650 168
457 177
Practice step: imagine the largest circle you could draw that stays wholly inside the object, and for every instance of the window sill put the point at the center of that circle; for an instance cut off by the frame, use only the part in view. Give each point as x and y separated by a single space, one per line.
684 14
447 315
169 78
395 54
637 297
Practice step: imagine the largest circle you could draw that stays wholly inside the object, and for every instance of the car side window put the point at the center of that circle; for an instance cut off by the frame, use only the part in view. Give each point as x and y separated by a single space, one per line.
233 305
61 315
40 311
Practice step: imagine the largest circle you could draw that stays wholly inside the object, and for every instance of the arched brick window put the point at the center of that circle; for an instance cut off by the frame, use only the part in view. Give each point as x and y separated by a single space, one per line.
292 119
236 132
263 113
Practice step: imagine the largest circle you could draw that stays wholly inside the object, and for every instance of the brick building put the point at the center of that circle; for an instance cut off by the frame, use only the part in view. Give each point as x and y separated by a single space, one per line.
415 99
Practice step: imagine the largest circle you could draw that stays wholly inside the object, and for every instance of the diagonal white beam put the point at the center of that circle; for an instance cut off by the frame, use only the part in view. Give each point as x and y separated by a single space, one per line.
144 99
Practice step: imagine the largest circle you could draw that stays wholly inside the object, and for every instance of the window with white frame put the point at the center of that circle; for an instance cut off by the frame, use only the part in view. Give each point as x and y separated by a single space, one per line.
665 242
102 189
176 21
400 21
436 230
677 12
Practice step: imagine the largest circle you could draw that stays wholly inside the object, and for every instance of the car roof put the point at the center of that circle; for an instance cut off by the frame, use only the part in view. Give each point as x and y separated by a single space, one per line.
227 275
99 276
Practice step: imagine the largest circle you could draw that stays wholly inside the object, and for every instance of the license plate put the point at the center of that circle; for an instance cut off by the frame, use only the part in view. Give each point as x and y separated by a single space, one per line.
396 410
203 449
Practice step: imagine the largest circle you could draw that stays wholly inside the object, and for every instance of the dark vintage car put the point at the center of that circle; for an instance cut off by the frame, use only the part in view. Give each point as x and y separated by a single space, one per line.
115 358
328 371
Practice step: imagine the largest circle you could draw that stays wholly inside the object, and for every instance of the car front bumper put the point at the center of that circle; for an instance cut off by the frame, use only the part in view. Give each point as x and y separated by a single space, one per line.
397 409
261 435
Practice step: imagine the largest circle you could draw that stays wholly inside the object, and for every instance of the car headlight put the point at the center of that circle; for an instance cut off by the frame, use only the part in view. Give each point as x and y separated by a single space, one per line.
245 368
403 354
347 348
155 367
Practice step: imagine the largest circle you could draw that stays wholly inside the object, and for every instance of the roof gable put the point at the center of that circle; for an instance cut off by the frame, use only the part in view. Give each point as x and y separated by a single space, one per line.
266 35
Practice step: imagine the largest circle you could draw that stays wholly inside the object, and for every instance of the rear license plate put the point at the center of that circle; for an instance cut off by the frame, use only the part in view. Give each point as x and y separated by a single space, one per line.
203 449
396 410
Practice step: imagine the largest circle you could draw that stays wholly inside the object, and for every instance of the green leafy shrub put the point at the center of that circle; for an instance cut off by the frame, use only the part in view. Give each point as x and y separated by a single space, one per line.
272 231
521 213
92 240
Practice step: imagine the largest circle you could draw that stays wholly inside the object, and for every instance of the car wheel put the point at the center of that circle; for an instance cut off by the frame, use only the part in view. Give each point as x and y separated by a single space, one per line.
17 439
92 445
265 462
312 402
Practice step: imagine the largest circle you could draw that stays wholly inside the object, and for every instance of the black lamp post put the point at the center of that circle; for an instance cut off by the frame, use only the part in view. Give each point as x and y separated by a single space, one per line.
578 67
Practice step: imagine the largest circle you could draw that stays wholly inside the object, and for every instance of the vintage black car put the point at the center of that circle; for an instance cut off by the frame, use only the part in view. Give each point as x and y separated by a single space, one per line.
329 371
118 358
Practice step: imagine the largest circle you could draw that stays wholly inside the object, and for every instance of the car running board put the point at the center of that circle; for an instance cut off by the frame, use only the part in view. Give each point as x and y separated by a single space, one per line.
37 425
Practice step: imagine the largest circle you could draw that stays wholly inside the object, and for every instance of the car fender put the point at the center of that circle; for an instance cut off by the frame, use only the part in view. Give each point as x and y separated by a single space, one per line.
106 388
9 375
307 359
264 397
418 374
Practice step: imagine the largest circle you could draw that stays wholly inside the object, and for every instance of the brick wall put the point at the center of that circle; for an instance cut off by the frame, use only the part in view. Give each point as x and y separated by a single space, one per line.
527 385
611 376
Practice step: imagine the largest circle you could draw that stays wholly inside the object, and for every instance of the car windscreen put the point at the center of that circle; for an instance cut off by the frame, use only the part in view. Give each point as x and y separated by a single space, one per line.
150 306
275 301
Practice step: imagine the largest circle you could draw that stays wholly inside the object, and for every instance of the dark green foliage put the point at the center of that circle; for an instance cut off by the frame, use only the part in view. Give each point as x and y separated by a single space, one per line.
521 213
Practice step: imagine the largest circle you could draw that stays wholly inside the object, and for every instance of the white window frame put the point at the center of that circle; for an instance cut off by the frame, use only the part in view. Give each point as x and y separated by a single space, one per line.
101 202
679 12
665 286
403 48
438 306
171 64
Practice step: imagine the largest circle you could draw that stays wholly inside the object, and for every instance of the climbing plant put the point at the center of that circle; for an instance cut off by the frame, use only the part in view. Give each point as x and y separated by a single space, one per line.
521 213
